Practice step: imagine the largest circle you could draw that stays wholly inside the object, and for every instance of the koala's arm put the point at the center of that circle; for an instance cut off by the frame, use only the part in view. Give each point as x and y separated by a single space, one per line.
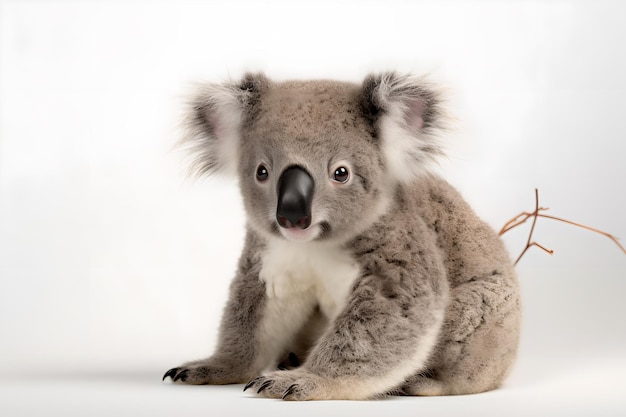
388 327
394 314
235 357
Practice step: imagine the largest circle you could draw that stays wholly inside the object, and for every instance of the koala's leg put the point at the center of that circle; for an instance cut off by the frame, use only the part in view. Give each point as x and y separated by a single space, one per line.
478 341
385 333
237 348
255 330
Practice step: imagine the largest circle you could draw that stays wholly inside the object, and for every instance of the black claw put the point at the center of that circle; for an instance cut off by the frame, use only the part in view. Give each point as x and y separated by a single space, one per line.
264 386
290 391
294 360
251 383
182 375
170 373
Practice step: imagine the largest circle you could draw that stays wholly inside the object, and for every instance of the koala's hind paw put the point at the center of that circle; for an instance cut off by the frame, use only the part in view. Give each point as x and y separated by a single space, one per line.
171 373
202 373
177 374
291 362
293 385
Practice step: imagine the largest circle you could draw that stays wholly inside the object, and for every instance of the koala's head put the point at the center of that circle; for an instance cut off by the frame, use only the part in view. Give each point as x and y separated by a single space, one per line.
316 160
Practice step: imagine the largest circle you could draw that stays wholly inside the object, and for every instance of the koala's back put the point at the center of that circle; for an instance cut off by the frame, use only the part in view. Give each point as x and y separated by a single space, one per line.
470 246
478 341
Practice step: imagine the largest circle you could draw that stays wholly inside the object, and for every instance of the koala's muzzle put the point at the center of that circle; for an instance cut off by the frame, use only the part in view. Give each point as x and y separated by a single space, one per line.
295 194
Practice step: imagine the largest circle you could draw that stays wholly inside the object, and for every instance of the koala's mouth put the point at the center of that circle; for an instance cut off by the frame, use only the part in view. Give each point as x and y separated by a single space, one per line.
316 231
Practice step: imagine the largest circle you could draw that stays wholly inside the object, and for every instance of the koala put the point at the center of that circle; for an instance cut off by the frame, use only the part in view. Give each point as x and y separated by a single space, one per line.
363 273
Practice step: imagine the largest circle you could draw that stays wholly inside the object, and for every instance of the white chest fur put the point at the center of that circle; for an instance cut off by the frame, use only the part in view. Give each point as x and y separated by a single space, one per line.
320 272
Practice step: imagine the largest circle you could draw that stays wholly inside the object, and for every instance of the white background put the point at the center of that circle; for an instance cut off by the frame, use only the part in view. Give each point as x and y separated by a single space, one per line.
114 267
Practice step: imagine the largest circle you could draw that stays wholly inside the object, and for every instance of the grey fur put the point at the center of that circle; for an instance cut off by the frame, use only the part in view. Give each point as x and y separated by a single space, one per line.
433 307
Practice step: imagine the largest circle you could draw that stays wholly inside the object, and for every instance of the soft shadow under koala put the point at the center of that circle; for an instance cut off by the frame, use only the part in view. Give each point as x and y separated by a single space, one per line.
360 264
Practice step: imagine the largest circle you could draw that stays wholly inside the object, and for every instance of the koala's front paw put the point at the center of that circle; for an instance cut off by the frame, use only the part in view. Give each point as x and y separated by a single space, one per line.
296 385
205 372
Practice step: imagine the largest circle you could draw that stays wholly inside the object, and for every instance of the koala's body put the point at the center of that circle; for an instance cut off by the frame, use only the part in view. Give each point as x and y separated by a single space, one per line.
362 271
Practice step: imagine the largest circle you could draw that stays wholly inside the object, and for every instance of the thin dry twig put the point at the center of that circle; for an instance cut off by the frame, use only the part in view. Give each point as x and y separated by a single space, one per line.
523 216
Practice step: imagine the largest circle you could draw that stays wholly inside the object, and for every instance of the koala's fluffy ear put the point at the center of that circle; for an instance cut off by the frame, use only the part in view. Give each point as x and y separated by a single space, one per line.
212 123
409 119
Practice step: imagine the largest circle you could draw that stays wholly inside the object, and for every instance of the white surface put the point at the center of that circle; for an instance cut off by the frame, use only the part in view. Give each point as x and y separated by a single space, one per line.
132 394
113 268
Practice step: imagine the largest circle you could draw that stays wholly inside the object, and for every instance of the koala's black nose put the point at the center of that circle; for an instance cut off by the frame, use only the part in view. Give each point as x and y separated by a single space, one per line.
295 194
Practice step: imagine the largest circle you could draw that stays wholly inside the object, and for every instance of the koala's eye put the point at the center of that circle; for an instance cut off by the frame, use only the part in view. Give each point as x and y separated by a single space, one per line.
341 174
262 174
